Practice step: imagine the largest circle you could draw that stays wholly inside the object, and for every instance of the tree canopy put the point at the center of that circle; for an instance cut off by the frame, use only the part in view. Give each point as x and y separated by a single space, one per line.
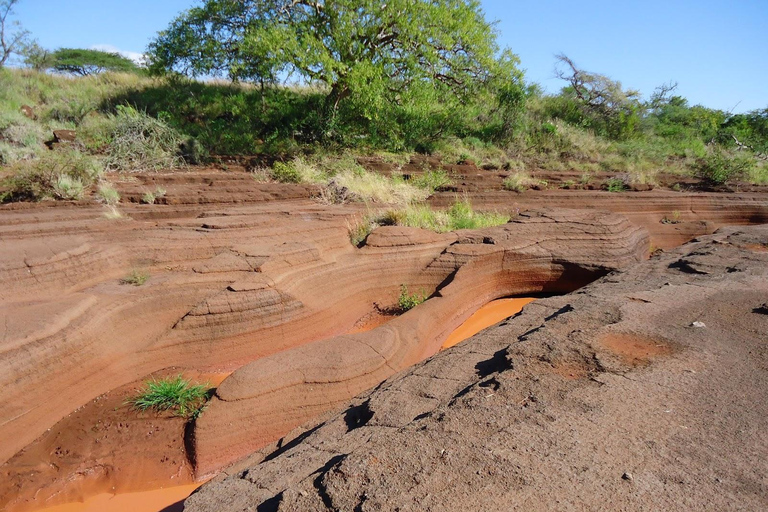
371 51
84 62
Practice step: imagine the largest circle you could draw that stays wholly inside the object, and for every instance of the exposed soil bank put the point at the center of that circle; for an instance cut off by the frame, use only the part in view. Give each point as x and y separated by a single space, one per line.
492 313
102 449
170 499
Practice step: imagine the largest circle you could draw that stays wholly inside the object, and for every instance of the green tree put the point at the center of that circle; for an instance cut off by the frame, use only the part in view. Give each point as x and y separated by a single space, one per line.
371 54
37 57
84 62
13 38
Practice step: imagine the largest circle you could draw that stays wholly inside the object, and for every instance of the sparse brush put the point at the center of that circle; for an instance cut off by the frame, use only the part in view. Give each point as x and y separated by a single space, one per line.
376 188
142 143
108 194
136 277
407 301
518 182
56 174
176 394
112 213
432 180
460 215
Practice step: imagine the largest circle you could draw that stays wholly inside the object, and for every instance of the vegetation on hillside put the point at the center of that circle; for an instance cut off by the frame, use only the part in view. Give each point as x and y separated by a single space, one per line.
316 83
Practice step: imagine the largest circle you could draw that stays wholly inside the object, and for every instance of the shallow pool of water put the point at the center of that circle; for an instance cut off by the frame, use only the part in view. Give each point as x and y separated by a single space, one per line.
170 499
488 315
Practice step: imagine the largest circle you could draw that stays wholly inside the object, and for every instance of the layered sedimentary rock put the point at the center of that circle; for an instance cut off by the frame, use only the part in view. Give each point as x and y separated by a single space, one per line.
642 391
225 287
549 251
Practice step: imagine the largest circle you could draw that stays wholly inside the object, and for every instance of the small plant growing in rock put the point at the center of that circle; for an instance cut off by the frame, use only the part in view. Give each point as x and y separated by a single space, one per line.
175 394
136 277
408 301
672 219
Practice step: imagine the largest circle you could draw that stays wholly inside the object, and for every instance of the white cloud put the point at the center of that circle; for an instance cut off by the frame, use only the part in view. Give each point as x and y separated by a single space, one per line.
138 58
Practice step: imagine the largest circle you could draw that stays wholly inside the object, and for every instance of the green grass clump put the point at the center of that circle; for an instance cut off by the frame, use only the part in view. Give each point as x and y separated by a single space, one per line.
151 197
108 194
175 394
518 182
432 180
136 277
615 185
460 215
407 301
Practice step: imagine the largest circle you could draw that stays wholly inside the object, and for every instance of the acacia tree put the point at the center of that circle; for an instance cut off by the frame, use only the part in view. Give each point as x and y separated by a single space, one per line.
375 51
603 101
84 62
13 38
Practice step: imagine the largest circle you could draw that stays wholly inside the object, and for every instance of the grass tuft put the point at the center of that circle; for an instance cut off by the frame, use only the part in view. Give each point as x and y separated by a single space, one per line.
175 394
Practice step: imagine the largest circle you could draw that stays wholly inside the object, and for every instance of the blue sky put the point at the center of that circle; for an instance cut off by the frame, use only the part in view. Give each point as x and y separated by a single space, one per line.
717 50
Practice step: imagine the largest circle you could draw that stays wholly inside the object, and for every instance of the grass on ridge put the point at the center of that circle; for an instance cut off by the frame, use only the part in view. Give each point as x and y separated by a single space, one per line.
460 215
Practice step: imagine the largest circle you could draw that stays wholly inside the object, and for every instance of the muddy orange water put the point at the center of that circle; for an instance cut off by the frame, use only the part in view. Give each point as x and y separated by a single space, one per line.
170 499
490 314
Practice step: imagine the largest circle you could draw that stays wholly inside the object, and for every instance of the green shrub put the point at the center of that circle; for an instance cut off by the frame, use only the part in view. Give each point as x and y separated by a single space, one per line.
174 393
407 301
285 173
721 166
56 174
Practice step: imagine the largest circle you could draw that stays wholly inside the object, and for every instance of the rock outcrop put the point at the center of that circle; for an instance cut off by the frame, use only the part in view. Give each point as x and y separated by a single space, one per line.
548 251
642 391
230 287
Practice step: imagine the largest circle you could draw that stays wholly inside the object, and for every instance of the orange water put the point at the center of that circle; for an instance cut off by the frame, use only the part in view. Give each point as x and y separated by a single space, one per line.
170 499
488 315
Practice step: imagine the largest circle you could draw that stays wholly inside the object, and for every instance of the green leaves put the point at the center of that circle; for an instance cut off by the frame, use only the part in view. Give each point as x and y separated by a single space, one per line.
89 62
372 58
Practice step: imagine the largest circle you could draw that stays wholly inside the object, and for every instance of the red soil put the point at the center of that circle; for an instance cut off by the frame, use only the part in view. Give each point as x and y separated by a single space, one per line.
240 272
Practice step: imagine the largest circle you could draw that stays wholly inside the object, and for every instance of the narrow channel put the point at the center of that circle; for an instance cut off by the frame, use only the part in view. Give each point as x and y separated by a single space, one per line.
171 499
